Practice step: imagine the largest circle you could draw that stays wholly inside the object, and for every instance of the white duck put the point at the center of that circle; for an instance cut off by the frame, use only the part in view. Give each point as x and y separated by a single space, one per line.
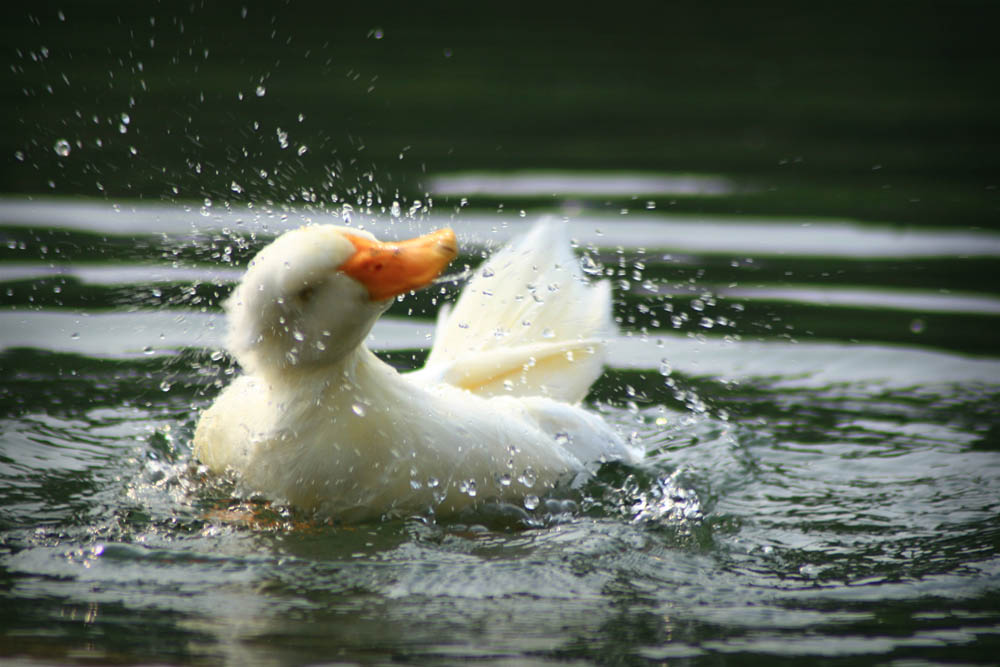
320 422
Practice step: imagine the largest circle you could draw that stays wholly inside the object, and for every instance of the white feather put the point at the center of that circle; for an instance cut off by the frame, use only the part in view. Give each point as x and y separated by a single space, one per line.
527 324
323 424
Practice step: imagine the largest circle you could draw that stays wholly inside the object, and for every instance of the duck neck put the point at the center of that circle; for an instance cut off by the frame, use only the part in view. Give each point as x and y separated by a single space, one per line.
357 374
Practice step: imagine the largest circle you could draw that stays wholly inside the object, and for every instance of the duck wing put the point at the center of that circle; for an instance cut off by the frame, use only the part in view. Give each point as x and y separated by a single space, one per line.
528 323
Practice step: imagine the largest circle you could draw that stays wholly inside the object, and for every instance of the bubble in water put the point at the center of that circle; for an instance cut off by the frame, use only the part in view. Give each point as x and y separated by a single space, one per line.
282 138
165 385
504 479
665 368
126 119
548 333
528 477
917 326
236 187
261 91
62 148
468 487
358 409
531 502
303 149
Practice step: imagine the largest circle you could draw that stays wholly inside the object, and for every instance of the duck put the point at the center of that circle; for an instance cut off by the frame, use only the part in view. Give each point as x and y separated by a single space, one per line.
317 421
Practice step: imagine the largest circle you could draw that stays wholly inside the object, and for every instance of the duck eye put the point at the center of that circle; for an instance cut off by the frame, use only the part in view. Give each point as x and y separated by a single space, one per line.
305 295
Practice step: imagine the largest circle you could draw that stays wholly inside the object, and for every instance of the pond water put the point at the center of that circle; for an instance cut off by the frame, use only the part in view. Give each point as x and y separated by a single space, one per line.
798 211
822 473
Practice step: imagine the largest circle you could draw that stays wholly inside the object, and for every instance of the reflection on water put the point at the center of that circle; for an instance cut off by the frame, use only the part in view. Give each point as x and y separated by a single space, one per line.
804 494
733 236
590 185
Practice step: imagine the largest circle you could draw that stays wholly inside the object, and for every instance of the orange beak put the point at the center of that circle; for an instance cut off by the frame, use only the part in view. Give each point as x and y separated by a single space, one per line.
388 269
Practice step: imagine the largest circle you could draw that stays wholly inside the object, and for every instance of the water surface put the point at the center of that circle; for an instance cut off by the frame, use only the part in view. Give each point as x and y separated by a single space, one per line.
797 209
820 480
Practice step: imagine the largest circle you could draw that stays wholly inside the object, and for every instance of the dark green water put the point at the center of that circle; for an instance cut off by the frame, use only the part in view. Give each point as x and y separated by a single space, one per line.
798 210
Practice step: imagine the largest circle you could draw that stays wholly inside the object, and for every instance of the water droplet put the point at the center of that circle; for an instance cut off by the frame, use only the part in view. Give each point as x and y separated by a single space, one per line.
504 479
590 267
528 477
126 119
358 409
236 187
395 209
62 148
562 438
468 487
147 350
74 336
548 333
261 91
433 482
665 368
298 335
282 137
809 570
697 304
415 484
165 385
531 502
917 326
488 272
303 149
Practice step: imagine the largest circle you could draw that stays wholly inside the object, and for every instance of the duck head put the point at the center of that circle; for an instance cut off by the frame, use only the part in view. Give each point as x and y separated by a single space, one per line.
310 297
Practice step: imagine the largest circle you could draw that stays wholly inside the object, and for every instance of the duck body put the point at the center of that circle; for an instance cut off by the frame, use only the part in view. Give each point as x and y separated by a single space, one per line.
319 422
